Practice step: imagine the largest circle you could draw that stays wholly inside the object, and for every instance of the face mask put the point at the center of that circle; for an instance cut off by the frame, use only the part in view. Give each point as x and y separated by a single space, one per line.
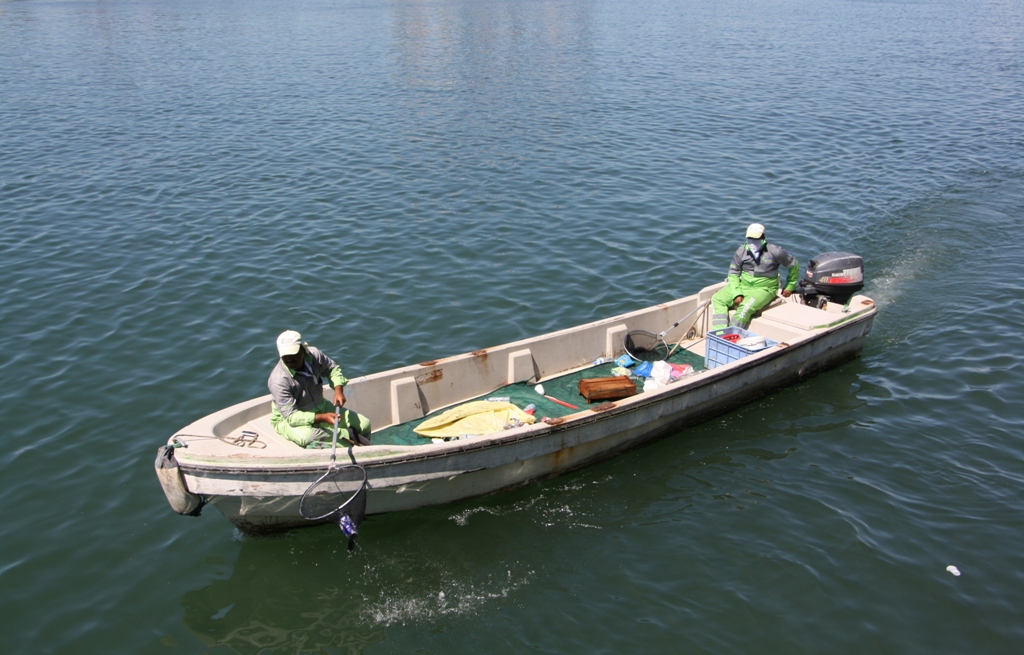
755 246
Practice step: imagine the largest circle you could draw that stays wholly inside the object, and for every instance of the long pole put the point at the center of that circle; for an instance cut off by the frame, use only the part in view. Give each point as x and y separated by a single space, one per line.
704 306
334 442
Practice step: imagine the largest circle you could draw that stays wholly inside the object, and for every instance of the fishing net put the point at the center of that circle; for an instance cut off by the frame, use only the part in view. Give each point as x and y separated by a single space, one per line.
339 494
646 346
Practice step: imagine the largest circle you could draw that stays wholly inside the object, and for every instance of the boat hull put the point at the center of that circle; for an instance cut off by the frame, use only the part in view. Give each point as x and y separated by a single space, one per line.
267 500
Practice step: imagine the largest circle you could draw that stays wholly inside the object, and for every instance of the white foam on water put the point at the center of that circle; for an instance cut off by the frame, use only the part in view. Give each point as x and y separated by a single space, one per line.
453 599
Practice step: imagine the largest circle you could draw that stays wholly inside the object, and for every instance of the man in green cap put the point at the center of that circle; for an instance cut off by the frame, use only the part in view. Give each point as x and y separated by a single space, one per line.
299 411
753 280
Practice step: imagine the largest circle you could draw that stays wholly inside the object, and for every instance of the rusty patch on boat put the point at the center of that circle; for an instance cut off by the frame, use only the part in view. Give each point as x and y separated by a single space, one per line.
555 421
427 378
430 363
867 302
783 345
560 458
603 408
479 353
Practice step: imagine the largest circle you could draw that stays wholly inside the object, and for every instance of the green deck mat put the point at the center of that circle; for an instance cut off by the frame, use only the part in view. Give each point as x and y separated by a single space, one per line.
565 388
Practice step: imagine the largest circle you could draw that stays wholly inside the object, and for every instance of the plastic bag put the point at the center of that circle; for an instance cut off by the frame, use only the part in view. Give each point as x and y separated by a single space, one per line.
643 370
680 370
650 384
625 360
661 372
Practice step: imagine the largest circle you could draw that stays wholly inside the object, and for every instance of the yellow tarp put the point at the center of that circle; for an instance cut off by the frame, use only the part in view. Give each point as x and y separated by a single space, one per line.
477 417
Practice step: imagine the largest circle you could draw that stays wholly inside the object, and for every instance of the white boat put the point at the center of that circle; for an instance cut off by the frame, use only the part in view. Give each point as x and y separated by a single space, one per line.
234 460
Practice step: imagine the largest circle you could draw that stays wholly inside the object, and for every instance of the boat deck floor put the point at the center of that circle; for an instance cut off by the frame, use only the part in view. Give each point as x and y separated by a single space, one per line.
564 388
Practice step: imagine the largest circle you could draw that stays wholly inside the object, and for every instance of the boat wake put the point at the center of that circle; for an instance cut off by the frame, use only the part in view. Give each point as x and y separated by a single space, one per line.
547 511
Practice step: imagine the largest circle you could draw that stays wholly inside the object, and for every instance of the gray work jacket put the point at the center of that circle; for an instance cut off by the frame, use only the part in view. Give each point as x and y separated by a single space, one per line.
300 391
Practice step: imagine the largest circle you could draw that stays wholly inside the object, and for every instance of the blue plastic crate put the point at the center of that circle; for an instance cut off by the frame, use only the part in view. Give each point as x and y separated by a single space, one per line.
720 352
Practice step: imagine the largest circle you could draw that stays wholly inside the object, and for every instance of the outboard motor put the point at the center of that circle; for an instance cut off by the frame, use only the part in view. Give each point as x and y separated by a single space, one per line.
832 277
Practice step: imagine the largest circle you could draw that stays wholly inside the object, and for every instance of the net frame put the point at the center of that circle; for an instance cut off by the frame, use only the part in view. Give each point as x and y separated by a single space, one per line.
645 346
320 500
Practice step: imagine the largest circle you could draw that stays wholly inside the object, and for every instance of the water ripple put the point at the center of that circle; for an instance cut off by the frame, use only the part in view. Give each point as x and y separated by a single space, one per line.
403 181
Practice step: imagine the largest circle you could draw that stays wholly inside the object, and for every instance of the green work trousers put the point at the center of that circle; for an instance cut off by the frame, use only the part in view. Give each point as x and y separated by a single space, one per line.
314 436
753 300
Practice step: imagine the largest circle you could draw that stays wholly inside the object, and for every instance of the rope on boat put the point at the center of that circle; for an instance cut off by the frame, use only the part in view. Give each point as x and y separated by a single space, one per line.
248 439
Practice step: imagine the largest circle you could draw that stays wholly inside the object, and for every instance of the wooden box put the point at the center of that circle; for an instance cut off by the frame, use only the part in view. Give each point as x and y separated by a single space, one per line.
607 388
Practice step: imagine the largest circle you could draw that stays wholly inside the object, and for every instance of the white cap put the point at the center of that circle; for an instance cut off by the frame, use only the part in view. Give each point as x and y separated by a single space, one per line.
289 342
755 231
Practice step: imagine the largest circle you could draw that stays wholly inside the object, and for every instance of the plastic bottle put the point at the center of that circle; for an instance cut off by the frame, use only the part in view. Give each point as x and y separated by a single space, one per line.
348 527
530 409
498 399
599 361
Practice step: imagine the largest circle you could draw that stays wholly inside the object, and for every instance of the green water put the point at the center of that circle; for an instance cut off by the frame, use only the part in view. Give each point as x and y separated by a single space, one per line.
402 181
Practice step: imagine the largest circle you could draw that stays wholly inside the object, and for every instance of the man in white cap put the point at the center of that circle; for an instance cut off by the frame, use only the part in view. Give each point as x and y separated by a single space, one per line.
299 411
753 280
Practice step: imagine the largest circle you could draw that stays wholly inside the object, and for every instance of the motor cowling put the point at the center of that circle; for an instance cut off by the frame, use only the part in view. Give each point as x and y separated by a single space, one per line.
832 277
